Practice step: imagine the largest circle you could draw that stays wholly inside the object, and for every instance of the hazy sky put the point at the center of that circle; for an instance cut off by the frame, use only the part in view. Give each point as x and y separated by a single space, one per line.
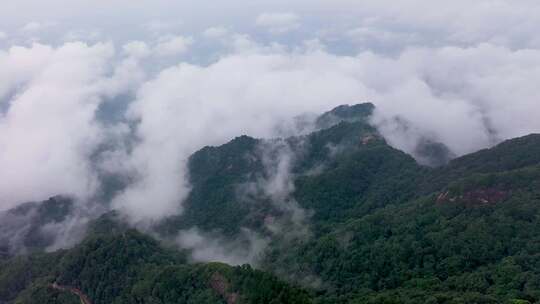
77 76
351 24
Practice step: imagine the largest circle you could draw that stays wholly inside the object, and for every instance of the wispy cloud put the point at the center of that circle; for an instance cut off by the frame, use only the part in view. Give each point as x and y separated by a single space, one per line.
278 23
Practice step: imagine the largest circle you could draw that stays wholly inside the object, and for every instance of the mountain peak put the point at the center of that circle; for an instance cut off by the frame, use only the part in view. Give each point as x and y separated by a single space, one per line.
341 113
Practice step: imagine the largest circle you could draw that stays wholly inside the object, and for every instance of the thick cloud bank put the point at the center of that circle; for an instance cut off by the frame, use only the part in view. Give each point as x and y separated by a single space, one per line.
467 98
48 130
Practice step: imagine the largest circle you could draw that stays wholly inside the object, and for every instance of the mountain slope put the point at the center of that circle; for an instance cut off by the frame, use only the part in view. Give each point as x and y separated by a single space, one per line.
474 239
464 246
509 155
322 169
132 268
339 211
22 229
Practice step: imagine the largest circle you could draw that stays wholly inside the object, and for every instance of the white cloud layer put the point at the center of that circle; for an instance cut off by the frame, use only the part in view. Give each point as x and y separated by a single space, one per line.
48 130
467 98
166 46
278 22
33 27
175 45
215 32
211 247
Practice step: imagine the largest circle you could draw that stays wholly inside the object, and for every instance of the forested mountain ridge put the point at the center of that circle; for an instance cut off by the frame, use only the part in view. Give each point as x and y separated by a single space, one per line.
341 213
129 267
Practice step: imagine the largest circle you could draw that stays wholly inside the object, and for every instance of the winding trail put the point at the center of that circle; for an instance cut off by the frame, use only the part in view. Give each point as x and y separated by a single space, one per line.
84 299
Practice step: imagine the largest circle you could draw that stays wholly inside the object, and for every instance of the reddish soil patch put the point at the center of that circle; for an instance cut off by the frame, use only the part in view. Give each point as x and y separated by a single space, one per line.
475 197
221 286
84 299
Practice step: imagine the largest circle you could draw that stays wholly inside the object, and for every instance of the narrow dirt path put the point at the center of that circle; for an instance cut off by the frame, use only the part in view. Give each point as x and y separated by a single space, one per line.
84 299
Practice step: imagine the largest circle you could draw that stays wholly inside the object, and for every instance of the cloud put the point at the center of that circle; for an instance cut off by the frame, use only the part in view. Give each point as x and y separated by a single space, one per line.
187 107
49 98
278 23
247 248
67 233
460 22
423 93
3 35
278 158
380 38
48 129
83 35
166 46
137 49
174 45
33 27
14 229
161 26
216 32
275 187
467 98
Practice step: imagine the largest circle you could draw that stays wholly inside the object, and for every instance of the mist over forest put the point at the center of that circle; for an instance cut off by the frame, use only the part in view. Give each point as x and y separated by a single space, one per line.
325 151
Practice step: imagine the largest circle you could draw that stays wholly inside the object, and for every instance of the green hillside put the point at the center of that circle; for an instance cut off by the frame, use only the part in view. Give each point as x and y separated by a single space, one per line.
130 267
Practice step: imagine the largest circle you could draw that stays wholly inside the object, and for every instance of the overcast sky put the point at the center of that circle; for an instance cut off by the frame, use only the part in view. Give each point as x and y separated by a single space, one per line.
76 76
366 24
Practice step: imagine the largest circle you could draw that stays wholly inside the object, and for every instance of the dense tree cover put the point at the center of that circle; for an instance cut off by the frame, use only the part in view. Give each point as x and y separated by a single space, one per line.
358 112
344 191
509 155
390 230
484 250
41 292
383 229
20 272
222 170
130 267
219 175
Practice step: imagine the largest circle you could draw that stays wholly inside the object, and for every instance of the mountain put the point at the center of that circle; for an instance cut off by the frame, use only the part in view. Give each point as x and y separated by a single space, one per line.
22 228
359 112
322 168
333 216
130 267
